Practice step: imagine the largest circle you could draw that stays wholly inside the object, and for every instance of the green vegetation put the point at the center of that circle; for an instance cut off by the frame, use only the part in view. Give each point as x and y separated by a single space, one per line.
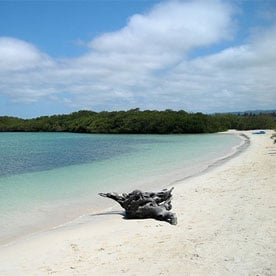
142 122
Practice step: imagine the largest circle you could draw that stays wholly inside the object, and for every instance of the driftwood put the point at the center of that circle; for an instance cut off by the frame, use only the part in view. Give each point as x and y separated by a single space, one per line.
139 205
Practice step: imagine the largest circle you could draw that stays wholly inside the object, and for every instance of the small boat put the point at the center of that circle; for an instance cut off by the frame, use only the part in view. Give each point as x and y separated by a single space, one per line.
259 132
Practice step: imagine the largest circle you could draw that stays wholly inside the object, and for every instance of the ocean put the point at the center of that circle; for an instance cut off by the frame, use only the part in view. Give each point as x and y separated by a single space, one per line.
47 179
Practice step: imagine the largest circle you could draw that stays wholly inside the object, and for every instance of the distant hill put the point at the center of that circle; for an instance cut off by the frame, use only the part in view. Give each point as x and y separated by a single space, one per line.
255 112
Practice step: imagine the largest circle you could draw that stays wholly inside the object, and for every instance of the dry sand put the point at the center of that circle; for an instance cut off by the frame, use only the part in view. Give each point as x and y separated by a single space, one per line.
226 226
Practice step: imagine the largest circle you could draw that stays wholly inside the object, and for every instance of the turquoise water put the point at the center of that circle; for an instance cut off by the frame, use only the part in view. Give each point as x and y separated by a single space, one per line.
49 178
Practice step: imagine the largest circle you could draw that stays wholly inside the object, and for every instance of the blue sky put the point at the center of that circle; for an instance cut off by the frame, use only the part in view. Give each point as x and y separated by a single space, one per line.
196 55
56 26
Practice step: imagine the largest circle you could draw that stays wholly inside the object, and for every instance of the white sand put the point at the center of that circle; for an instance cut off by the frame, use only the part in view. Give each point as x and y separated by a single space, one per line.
226 226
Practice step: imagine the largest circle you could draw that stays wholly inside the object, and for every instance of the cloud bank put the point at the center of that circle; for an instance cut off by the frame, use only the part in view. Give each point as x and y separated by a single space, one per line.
147 64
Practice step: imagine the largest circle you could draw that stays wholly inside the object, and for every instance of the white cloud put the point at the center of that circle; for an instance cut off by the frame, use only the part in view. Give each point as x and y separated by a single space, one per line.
164 35
236 78
146 64
19 55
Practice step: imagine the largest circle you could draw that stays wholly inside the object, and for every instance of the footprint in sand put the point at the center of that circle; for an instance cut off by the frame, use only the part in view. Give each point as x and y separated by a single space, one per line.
74 247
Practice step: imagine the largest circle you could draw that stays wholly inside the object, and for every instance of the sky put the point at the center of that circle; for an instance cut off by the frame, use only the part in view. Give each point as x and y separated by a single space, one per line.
207 56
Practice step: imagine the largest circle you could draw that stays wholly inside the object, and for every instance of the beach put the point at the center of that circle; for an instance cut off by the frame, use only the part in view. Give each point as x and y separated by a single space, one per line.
226 226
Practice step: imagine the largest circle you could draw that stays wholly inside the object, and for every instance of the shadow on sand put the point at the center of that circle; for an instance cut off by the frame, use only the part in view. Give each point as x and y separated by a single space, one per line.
121 213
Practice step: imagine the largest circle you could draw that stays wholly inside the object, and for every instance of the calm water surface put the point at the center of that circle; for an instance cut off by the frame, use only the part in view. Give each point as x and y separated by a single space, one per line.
48 178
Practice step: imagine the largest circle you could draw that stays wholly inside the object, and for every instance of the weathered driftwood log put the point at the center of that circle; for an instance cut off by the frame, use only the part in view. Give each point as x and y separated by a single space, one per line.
139 205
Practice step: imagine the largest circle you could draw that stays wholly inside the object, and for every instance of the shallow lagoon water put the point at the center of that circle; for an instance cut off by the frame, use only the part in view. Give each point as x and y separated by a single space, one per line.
49 178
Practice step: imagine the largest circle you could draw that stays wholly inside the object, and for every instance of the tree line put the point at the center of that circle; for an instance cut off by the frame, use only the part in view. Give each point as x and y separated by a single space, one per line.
135 121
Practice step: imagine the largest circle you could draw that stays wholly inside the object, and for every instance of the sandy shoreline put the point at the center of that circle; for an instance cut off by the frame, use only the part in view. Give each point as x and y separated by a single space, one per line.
226 226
